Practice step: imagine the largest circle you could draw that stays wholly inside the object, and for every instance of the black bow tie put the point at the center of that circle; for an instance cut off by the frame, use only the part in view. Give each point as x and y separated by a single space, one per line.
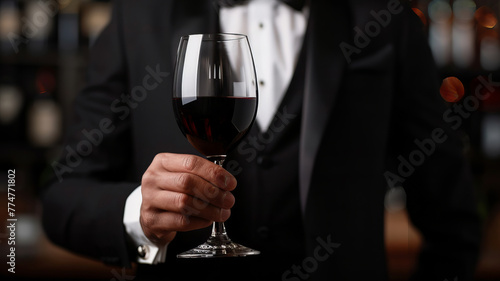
296 4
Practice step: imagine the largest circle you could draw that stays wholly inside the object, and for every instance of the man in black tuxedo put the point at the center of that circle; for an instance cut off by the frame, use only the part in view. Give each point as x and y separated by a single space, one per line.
310 195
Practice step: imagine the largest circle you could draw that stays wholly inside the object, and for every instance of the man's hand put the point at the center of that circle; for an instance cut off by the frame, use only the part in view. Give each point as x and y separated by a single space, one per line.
181 193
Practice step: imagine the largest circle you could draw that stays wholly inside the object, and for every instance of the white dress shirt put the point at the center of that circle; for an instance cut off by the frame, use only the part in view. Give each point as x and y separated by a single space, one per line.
275 32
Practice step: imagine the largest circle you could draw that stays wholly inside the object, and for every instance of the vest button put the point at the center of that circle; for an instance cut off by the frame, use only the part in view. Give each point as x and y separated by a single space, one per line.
264 162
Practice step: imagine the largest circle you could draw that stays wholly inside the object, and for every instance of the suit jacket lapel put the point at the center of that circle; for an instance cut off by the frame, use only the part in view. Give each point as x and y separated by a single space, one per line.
328 26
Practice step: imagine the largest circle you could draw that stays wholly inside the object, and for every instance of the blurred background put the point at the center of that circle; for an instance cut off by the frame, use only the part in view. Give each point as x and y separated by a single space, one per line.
43 50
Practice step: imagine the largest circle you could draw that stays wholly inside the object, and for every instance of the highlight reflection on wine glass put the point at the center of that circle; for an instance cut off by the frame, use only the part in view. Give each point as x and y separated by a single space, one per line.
215 103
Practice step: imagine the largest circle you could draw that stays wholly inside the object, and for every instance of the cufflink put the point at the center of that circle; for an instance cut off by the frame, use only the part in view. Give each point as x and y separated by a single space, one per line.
143 251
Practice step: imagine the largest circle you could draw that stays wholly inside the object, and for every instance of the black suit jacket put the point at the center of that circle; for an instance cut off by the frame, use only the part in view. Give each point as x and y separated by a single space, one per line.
359 113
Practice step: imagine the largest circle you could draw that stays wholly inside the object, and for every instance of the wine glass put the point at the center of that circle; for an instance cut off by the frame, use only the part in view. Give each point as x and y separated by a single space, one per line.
215 103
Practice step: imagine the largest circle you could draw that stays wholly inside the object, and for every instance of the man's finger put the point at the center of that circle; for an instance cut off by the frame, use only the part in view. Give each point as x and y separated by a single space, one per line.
169 221
197 187
188 205
201 167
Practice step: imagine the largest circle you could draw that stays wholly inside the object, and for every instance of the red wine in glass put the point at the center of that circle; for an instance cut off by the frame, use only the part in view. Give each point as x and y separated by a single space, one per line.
214 125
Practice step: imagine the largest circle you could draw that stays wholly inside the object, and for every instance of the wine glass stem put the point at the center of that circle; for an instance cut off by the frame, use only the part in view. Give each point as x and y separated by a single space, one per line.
218 228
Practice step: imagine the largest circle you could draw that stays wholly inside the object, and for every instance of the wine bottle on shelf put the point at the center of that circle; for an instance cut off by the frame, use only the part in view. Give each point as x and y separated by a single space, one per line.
44 122
440 31
489 53
10 23
94 17
463 33
11 103
490 135
67 29
40 21
487 39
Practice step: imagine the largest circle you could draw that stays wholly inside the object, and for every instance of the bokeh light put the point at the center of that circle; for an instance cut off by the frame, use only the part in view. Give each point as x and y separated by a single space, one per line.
485 17
420 14
452 90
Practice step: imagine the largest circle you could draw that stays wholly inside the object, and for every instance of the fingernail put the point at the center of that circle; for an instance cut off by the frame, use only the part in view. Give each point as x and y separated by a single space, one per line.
224 214
223 180
230 183
228 199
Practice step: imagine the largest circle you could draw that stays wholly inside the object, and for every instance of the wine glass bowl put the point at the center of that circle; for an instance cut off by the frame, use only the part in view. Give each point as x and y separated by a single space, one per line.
215 91
215 103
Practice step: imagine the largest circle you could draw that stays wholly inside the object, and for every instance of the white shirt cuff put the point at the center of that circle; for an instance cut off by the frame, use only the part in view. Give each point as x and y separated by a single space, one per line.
148 252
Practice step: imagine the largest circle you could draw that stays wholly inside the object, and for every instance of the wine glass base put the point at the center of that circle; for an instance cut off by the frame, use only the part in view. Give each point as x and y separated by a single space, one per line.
218 248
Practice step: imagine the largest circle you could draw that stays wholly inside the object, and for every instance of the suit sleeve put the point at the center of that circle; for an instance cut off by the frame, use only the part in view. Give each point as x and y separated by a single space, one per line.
427 156
84 203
